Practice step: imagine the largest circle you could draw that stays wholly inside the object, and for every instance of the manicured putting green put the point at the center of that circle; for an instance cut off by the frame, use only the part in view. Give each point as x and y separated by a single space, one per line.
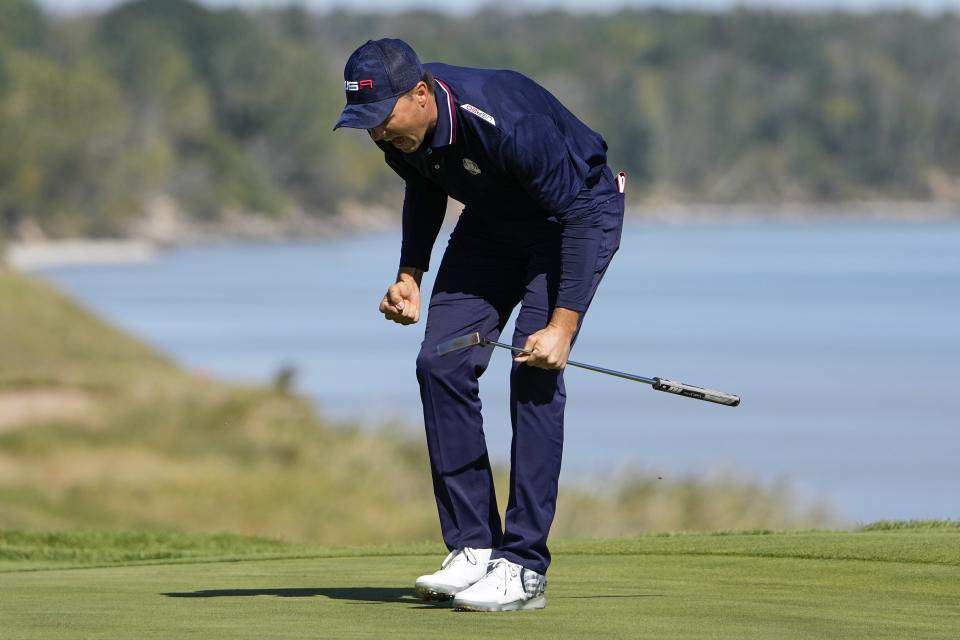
899 583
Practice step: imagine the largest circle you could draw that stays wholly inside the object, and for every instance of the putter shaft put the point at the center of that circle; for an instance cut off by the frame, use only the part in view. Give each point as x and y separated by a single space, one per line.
660 384
582 365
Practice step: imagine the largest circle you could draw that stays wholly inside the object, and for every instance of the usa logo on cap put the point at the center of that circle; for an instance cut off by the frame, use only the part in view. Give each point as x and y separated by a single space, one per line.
353 85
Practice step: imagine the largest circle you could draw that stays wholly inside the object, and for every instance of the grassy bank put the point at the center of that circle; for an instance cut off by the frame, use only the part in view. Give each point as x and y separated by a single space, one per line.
898 581
119 438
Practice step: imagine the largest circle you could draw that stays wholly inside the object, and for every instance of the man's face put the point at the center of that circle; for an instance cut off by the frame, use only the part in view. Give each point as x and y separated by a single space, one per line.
408 123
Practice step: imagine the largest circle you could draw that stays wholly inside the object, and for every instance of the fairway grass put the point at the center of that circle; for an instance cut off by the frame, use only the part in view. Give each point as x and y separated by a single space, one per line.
896 582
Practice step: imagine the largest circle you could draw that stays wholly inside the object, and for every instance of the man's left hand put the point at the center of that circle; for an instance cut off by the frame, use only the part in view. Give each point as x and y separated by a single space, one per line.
549 348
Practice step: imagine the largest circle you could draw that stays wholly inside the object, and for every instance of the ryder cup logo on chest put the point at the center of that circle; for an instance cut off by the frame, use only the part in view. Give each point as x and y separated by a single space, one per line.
471 166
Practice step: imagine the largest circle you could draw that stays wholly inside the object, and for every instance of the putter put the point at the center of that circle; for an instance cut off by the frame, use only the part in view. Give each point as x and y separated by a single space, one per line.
660 384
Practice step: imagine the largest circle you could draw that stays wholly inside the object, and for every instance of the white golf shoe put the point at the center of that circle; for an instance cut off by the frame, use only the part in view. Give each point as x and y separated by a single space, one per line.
506 587
460 569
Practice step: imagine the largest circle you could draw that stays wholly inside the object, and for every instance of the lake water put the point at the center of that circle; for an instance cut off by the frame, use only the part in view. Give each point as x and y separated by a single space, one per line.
843 339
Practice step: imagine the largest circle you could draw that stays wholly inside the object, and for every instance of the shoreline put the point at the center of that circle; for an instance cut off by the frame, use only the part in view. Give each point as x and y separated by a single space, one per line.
36 255
33 255
798 211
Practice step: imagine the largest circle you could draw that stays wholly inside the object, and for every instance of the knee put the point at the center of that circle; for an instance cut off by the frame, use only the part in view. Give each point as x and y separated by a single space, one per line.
427 362
459 365
431 365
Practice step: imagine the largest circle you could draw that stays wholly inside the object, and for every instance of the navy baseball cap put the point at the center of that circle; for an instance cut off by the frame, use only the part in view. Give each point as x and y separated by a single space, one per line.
375 77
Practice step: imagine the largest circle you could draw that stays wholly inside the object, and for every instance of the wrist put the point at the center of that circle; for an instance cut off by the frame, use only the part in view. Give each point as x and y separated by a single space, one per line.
567 320
410 274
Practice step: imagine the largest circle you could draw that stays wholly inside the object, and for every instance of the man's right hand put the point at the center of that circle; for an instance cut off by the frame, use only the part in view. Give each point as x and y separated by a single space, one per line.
402 300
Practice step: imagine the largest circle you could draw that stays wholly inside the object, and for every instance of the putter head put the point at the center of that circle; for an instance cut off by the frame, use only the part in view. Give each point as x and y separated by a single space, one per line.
469 340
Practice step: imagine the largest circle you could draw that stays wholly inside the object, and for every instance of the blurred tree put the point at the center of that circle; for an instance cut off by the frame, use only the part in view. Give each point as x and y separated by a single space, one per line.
60 127
195 79
225 110
22 24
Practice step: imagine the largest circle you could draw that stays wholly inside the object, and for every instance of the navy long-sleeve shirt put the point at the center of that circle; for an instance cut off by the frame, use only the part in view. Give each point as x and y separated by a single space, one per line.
507 149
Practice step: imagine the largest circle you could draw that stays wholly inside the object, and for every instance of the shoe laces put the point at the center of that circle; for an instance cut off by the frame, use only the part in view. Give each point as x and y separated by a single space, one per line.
499 572
459 555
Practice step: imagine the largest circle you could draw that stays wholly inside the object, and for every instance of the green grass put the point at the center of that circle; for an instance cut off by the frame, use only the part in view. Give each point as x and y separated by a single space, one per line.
889 525
897 582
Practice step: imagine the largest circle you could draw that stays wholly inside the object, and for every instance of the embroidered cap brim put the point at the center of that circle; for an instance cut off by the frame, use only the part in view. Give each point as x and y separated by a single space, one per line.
366 116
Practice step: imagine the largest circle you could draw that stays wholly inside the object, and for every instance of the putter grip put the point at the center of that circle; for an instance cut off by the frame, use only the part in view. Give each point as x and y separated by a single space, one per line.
690 391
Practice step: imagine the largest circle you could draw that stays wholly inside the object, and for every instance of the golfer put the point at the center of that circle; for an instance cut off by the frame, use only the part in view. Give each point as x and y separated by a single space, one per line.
542 219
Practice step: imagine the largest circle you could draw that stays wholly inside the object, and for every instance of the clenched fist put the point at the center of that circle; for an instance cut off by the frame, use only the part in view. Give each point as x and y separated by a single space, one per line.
401 303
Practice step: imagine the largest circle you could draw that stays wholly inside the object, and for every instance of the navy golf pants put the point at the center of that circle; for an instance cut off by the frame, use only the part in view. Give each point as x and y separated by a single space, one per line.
487 270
